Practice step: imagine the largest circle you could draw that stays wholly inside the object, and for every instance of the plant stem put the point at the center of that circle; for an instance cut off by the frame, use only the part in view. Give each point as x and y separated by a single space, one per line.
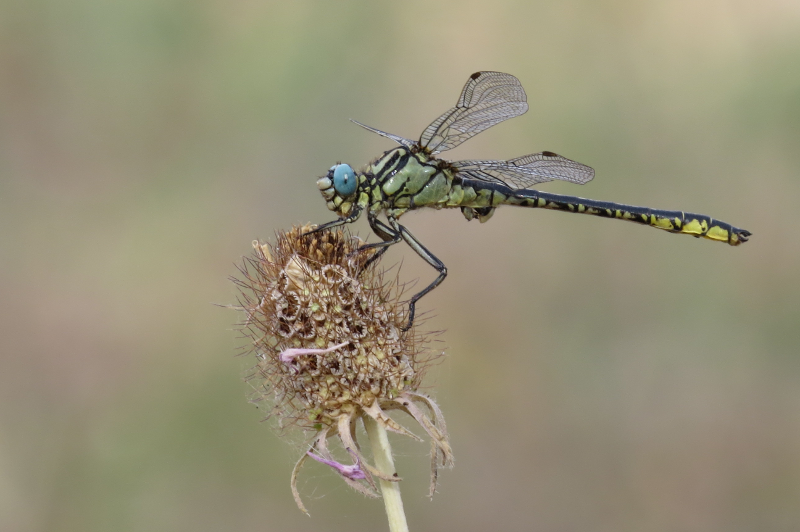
383 461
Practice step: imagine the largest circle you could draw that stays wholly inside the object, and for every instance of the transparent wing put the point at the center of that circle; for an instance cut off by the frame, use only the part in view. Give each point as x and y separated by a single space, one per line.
527 170
487 99
400 140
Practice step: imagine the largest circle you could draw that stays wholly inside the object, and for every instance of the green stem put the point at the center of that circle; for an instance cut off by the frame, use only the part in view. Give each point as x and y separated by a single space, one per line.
383 461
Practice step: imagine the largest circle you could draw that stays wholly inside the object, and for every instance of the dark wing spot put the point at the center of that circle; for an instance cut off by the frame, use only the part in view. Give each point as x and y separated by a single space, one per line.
549 154
476 75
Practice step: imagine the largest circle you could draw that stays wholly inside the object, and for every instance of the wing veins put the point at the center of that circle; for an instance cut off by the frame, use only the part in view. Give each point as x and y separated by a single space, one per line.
526 171
487 99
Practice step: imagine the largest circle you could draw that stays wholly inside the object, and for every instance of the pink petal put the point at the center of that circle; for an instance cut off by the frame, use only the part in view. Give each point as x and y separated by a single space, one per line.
353 472
289 354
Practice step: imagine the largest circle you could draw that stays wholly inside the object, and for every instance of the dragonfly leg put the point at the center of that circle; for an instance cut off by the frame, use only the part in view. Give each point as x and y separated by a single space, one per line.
429 257
389 235
336 223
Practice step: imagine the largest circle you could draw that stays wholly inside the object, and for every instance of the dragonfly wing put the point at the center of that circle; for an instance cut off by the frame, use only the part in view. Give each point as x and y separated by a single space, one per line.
400 140
528 170
487 99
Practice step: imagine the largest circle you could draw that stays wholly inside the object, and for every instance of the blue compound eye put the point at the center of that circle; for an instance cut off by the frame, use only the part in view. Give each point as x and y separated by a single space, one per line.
344 179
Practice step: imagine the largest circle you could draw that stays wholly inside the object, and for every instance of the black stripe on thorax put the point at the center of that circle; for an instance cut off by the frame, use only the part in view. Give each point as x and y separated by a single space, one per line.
387 164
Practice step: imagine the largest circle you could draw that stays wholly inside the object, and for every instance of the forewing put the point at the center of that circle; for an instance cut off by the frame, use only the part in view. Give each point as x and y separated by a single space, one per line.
487 99
526 171
400 140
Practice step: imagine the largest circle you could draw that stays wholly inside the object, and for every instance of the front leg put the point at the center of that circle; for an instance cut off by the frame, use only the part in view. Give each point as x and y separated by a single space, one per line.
429 257
336 223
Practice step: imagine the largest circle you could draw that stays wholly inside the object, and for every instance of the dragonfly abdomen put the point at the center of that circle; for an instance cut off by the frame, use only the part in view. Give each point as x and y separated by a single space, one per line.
478 199
698 225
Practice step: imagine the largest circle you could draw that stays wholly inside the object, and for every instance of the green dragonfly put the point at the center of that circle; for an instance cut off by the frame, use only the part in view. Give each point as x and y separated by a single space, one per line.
411 177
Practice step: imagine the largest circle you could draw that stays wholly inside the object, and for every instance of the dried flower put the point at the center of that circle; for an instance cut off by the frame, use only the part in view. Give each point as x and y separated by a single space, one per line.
326 327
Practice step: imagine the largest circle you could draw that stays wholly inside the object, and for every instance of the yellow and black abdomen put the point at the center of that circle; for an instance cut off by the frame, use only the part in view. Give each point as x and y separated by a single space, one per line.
481 198
698 225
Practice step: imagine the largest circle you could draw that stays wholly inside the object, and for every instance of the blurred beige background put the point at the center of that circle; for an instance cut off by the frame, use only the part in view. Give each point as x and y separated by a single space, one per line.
600 375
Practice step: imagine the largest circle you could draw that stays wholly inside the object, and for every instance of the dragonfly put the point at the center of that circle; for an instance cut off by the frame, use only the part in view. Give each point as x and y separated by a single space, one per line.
411 177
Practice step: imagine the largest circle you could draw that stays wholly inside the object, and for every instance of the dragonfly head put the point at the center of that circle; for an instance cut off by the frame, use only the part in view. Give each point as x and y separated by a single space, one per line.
340 187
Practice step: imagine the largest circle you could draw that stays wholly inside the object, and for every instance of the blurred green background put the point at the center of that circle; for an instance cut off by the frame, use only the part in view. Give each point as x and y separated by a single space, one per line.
600 375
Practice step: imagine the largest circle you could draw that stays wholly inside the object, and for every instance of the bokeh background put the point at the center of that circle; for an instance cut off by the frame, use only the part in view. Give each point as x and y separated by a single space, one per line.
600 375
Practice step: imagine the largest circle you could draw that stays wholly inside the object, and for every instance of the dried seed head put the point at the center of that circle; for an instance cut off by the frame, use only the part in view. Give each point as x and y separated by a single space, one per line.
309 293
326 328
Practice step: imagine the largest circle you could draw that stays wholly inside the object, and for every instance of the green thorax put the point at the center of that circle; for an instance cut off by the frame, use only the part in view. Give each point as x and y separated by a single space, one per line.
400 180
